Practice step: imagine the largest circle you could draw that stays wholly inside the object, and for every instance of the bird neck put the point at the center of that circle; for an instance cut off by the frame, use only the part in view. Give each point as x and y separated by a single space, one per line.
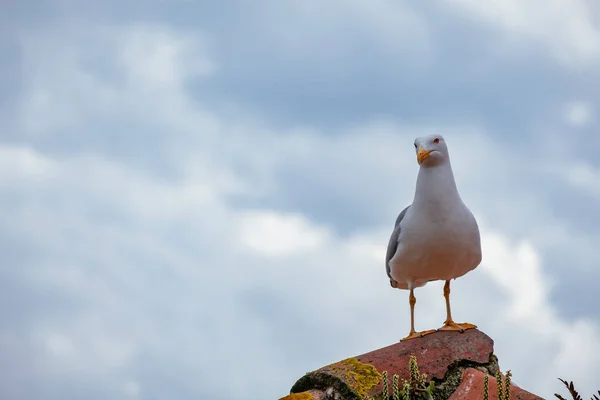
436 186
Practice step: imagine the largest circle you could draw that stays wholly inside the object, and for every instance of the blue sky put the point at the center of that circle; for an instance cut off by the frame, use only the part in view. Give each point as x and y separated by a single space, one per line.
198 196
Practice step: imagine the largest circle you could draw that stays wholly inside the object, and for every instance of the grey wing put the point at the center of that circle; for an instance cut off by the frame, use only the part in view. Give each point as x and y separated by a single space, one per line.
393 243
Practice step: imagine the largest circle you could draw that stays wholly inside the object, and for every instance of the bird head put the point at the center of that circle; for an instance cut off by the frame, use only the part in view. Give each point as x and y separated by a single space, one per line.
431 150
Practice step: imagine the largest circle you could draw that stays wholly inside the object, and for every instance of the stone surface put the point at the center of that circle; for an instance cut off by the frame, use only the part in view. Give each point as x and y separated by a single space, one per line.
434 352
441 355
456 362
472 384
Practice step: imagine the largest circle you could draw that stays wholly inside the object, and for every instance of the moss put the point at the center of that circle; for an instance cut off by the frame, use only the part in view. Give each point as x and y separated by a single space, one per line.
323 381
353 380
298 396
350 379
453 377
359 376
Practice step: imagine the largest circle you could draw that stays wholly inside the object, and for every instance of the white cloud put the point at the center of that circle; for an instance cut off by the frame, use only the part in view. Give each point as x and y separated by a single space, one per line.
578 113
158 266
530 337
131 389
566 28
146 62
582 176
85 346
338 27
154 56
57 344
350 276
272 234
517 269
23 163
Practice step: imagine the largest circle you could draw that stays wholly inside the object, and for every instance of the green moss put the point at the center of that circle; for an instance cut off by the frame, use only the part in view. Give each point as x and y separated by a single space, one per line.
298 396
453 377
359 376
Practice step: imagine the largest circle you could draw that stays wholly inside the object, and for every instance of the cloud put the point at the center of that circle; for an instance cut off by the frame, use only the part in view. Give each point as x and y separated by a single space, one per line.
279 235
565 28
518 270
584 177
578 114
393 28
162 245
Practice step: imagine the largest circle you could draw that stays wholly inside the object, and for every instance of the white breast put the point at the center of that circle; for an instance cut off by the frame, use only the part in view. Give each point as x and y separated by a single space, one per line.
438 245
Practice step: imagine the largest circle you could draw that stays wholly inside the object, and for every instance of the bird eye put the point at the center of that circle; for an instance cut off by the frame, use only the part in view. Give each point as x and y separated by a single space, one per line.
436 140
415 145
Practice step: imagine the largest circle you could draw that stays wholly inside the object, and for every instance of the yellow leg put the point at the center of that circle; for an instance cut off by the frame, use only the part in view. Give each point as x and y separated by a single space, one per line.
450 325
412 300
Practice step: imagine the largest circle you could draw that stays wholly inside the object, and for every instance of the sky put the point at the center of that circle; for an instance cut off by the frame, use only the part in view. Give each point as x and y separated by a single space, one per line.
197 196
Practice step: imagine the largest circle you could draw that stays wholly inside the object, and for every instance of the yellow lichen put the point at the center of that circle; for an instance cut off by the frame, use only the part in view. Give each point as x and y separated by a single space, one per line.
298 396
359 376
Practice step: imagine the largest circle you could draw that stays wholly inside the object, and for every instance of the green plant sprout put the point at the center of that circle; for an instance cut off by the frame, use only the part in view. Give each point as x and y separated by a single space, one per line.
411 387
386 394
574 394
503 386
418 384
486 379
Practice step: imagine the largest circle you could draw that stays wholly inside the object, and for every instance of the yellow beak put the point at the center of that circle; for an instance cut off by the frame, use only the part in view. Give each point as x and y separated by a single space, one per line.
422 155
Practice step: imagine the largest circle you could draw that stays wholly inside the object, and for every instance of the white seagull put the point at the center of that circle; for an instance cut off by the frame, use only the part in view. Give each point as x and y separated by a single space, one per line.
436 237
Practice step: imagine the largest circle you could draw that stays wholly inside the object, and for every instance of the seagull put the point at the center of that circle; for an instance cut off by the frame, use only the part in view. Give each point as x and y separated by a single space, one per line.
436 237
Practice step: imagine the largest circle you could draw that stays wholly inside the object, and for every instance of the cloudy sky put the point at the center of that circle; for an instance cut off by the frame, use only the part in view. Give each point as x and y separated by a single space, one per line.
197 196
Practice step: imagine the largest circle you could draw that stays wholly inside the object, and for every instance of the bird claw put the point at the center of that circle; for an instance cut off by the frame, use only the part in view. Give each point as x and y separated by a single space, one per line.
453 326
414 335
